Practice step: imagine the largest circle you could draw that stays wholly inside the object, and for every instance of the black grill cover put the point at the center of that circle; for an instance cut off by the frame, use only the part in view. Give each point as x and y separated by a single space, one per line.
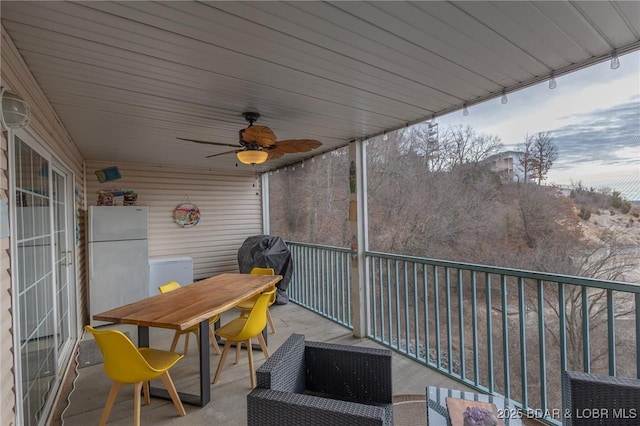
267 251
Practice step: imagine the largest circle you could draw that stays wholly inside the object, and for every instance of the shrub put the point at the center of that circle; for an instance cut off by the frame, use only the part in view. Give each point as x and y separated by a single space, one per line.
585 213
626 207
618 202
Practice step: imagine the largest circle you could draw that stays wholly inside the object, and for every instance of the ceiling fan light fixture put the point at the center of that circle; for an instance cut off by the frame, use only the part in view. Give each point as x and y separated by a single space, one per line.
252 156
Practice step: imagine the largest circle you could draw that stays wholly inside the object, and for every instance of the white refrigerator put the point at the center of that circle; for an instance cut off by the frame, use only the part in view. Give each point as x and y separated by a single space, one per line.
118 256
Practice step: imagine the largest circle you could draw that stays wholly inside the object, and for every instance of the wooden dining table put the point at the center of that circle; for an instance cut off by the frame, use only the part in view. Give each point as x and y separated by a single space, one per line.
187 306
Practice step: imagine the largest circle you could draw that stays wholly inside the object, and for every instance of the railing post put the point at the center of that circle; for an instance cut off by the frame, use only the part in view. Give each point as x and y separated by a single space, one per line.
358 227
266 220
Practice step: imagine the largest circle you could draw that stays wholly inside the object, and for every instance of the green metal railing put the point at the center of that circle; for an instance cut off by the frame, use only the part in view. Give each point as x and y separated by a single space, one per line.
502 331
320 281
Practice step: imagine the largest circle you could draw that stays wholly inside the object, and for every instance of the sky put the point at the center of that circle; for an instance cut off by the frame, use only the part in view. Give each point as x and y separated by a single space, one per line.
593 116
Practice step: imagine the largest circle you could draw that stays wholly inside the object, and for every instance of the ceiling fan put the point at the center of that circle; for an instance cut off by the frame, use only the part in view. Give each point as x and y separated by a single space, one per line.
258 144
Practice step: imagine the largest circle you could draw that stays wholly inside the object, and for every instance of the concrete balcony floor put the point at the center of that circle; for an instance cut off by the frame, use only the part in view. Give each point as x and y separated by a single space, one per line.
228 397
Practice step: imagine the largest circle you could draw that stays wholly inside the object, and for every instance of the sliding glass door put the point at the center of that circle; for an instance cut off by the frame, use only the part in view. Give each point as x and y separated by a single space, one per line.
43 280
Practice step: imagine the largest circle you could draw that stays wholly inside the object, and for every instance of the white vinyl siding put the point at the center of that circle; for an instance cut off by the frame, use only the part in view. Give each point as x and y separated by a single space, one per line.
230 211
7 396
47 129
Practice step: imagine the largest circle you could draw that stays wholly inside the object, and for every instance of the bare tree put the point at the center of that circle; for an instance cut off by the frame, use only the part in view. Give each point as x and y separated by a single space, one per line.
525 159
309 204
421 204
540 217
463 145
607 259
426 145
544 154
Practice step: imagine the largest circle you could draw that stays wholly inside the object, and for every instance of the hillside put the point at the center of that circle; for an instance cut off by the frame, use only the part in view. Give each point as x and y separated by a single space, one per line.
625 225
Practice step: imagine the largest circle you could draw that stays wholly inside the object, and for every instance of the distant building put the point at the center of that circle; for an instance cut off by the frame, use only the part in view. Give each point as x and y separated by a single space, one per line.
507 165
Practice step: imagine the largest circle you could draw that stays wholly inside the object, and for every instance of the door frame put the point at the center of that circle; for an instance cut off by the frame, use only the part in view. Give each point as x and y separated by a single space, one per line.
70 221
64 356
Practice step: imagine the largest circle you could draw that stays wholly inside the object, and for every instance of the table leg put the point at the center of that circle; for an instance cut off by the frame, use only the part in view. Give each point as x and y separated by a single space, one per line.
143 337
205 370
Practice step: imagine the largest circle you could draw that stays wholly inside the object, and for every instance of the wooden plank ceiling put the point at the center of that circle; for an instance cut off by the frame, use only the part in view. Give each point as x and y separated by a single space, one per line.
128 78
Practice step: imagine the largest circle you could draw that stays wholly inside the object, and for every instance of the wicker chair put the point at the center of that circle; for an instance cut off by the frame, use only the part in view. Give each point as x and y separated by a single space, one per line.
314 383
601 400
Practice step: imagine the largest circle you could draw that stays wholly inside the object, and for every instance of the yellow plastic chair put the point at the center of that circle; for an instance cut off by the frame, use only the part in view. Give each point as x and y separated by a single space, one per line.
242 330
173 285
126 364
246 306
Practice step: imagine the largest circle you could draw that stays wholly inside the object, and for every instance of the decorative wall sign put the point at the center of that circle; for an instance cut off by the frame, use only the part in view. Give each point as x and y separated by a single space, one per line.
352 177
108 174
186 215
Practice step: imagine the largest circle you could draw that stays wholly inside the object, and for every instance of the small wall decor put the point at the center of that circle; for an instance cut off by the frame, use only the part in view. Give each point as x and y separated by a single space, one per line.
352 177
186 214
108 174
107 197
130 199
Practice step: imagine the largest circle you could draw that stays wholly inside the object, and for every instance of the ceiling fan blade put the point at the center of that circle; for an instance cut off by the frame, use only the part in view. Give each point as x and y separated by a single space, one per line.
257 137
210 143
291 146
223 153
261 135
274 154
